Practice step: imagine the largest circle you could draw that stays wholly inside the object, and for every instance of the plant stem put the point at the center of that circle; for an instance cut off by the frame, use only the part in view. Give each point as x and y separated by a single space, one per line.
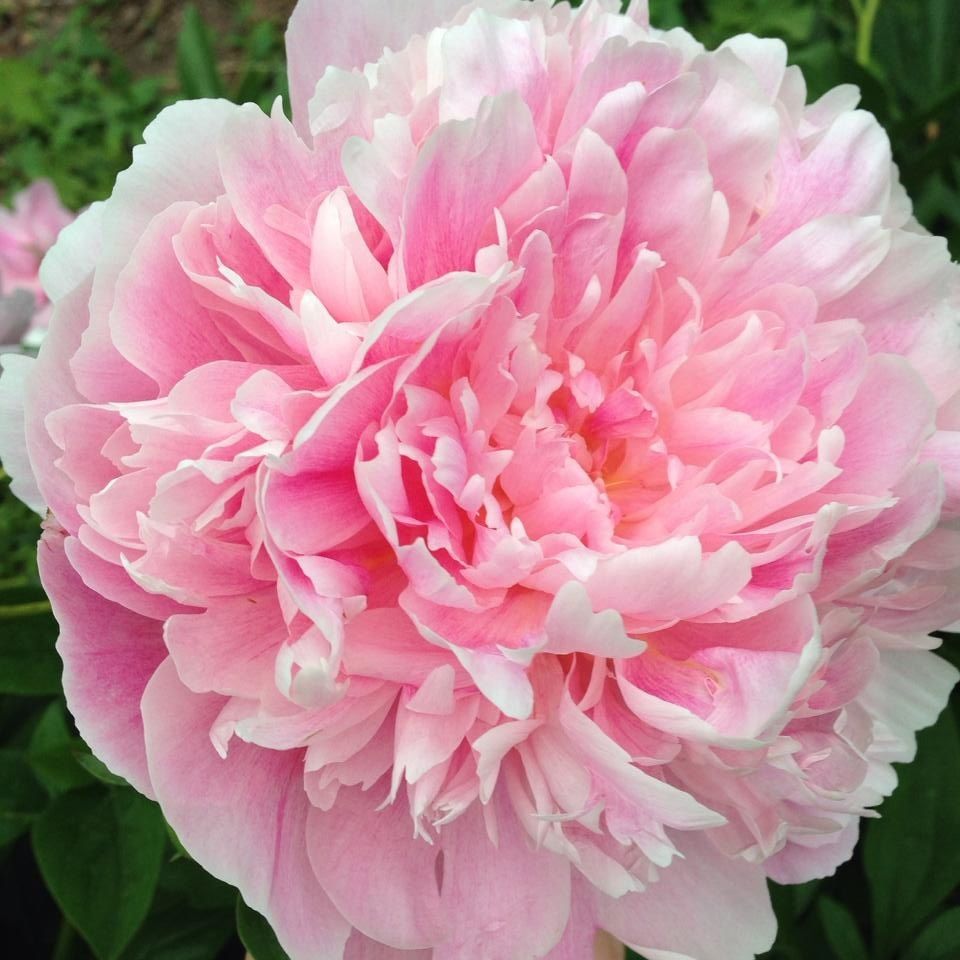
866 18
24 609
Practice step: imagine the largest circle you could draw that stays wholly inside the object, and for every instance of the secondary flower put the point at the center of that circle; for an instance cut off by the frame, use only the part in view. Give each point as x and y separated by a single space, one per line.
27 231
512 500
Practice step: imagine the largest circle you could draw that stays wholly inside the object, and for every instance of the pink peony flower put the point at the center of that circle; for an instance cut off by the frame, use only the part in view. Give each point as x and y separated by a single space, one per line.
513 500
27 232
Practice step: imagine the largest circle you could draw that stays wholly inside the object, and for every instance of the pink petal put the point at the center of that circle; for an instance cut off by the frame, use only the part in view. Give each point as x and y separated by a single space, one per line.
874 459
109 655
732 921
669 163
140 317
670 581
230 648
360 947
262 848
848 171
319 35
464 171
523 913
16 369
177 162
489 55
269 173
378 874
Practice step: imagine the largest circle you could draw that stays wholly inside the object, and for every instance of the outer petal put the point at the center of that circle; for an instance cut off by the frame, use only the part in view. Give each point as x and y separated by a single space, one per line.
521 905
906 694
819 857
892 392
379 875
581 935
360 947
13 440
50 387
848 171
151 289
177 161
109 654
704 907
75 253
243 818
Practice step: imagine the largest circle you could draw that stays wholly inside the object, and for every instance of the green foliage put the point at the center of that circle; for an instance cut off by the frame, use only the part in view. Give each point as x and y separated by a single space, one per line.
73 108
29 664
256 935
940 940
191 916
19 532
72 111
21 796
100 853
841 930
196 65
911 864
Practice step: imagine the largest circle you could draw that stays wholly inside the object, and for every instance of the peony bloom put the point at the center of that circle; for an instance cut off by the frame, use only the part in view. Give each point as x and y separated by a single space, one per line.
27 232
512 500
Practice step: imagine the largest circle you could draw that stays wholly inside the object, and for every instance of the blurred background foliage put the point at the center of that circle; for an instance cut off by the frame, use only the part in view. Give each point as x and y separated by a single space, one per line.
88 869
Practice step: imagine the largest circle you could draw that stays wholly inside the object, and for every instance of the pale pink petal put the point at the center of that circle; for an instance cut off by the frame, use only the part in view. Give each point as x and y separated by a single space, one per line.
489 55
13 441
524 913
109 655
874 459
229 648
464 171
320 36
140 324
261 849
75 253
360 947
176 162
670 581
733 919
382 877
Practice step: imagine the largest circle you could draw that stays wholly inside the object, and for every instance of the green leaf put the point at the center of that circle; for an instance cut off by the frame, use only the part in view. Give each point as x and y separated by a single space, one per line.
940 940
53 752
191 917
911 862
22 798
180 851
196 64
665 14
841 929
21 83
804 895
186 880
916 45
256 934
179 933
98 769
29 664
100 852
